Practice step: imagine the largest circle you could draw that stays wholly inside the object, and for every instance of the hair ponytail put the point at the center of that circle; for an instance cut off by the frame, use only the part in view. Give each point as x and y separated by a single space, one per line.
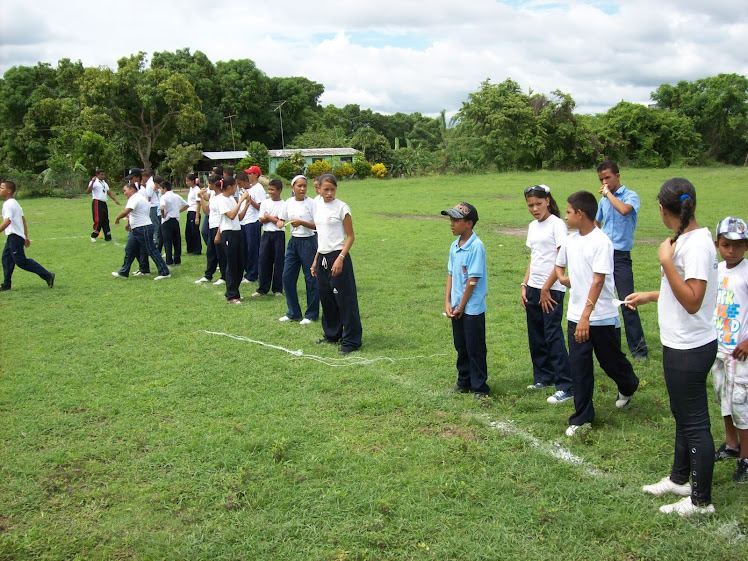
678 197
553 206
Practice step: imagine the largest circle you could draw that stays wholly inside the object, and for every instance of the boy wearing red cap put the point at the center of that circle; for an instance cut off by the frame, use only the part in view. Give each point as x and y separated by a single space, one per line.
251 221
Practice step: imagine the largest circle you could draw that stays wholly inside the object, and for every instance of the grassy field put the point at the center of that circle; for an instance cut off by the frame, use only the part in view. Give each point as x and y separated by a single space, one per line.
130 432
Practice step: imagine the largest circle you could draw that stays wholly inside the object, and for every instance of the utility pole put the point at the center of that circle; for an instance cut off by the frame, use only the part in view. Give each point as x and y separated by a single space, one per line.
232 129
278 105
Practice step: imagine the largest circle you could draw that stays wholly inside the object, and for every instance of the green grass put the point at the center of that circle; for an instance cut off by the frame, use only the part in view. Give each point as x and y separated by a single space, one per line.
127 433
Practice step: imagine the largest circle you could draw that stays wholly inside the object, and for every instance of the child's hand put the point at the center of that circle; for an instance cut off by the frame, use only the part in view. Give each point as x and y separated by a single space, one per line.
636 299
666 251
337 266
582 332
741 351
218 239
294 222
458 311
27 242
116 221
523 296
547 303
197 219
313 268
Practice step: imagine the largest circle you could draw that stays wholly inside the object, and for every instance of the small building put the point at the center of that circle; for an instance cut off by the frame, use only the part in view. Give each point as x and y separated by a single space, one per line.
226 158
311 155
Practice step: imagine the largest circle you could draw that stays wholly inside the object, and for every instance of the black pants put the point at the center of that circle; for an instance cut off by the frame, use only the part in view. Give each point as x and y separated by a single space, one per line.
100 219
192 234
624 280
172 241
215 255
340 317
685 377
272 257
469 335
232 247
606 343
14 254
550 361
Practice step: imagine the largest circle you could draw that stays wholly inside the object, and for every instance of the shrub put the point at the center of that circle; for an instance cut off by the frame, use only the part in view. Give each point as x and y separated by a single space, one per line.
257 156
287 169
345 170
315 169
378 170
362 168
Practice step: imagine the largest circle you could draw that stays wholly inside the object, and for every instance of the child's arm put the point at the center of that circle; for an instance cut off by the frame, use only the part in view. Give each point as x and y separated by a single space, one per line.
27 241
122 214
582 332
232 213
562 278
111 196
4 224
217 239
636 299
523 286
337 267
470 285
243 211
204 201
547 303
313 268
447 301
689 293
741 351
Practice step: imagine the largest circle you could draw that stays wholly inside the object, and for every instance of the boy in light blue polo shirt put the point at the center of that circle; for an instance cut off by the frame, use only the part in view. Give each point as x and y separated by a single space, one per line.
617 216
465 300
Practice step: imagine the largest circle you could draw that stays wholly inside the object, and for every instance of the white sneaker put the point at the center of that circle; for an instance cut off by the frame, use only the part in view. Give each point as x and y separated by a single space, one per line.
140 274
560 396
117 275
284 318
622 400
162 277
202 280
578 429
219 281
666 485
93 240
685 507
245 281
305 321
256 294
277 294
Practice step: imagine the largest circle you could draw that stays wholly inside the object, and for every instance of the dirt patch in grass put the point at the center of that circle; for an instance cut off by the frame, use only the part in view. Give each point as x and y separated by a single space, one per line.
409 216
452 431
514 231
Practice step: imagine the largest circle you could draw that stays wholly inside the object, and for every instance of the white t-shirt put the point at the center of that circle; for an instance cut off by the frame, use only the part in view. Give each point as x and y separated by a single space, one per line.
192 198
273 208
214 218
328 218
695 257
99 190
543 238
731 312
257 192
226 204
583 256
172 204
300 210
140 214
150 192
12 210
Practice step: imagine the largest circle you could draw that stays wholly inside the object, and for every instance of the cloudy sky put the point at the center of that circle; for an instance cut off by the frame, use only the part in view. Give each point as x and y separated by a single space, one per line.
403 55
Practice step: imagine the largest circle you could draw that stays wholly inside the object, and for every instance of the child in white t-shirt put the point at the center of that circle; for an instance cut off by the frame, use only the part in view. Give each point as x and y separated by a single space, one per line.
593 319
542 296
215 258
192 226
730 369
229 236
273 242
171 206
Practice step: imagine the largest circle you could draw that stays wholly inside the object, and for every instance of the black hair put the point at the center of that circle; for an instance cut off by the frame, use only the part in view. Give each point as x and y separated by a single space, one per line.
327 177
277 183
147 172
214 179
242 176
541 193
218 170
99 170
166 186
678 197
192 177
10 186
584 201
228 171
158 180
608 164
227 182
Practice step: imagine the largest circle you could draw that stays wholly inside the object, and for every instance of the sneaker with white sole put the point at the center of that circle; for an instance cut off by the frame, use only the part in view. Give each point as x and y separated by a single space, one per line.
578 429
666 485
245 281
284 318
219 282
204 279
117 275
277 294
305 321
140 274
255 294
685 507
234 301
622 400
162 277
560 396
93 240
538 386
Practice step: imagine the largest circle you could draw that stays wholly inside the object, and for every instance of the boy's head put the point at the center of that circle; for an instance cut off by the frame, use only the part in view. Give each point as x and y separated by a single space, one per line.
228 172
462 217
254 173
135 174
101 174
274 189
7 189
732 240
582 207
242 179
158 180
166 186
608 174
147 173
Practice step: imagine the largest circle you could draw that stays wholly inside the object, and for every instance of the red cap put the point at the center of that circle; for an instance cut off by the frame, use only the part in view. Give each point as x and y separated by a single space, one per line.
254 169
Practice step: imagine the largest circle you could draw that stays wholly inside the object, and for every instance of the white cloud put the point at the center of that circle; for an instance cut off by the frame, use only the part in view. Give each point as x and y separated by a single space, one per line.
404 55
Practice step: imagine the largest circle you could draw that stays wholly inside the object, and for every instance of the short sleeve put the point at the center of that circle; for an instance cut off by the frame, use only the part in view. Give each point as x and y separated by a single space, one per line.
560 233
602 258
561 257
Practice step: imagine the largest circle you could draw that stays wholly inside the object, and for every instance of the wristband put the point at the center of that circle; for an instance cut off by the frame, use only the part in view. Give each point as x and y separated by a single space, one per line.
523 284
591 303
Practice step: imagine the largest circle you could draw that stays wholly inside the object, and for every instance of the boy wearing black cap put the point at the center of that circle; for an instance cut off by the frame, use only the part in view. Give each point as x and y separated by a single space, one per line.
465 300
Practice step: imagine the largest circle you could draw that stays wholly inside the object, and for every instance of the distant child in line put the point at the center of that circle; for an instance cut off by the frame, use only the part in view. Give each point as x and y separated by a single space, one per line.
299 212
215 257
542 296
171 206
140 240
253 231
593 320
465 300
333 268
157 193
685 310
192 227
273 242
730 369
99 190
229 236
17 238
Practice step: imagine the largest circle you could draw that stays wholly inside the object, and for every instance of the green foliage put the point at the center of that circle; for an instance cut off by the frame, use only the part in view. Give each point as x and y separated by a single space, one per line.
361 167
320 136
315 169
180 160
378 170
344 171
257 156
287 169
64 173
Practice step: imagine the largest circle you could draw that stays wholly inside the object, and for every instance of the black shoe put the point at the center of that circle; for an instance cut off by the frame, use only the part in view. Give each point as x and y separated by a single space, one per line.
480 395
344 351
3 288
741 474
458 389
725 453
325 340
51 280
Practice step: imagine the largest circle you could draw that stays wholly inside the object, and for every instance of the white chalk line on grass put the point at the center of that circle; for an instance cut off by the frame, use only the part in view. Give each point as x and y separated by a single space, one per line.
334 362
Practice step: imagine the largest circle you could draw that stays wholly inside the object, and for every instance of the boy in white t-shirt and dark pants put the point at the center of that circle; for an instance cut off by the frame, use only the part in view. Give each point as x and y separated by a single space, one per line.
273 242
593 319
171 206
17 238
99 191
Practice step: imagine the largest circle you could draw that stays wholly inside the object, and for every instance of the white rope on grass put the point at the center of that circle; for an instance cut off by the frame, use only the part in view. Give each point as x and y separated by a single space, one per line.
354 360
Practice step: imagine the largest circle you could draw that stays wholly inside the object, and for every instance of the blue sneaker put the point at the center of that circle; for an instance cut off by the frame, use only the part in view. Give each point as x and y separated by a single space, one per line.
538 386
560 396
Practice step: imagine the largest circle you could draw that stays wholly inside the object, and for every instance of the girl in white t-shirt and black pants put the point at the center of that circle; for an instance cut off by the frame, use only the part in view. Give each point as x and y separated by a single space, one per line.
685 304
542 296
229 236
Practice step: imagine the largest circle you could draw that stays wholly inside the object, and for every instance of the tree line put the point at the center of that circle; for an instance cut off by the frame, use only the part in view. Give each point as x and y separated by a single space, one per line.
58 123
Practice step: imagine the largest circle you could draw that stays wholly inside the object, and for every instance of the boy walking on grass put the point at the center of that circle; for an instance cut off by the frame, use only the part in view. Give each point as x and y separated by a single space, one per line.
465 300
593 319
17 237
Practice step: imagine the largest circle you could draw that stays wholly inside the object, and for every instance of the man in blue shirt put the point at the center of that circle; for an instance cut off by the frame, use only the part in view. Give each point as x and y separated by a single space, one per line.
617 215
